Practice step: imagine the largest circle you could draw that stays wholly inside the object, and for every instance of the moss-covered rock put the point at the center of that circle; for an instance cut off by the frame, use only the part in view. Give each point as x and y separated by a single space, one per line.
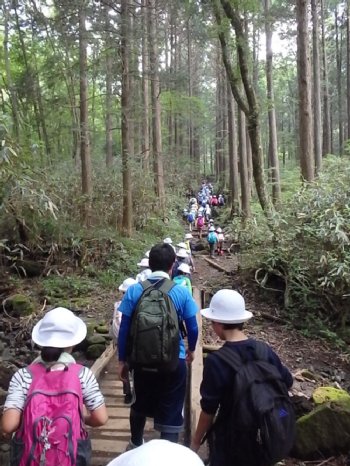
102 329
324 394
324 431
19 305
91 328
95 351
95 340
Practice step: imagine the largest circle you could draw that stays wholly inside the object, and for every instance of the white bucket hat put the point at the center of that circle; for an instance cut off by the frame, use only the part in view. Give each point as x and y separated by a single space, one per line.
188 236
219 230
185 268
182 245
168 241
158 453
212 229
126 283
59 328
182 253
227 307
143 263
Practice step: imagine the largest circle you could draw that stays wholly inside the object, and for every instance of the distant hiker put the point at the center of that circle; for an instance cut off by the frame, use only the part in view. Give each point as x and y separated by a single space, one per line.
245 389
221 200
220 244
117 316
200 224
214 201
207 212
190 219
44 404
158 453
189 242
145 271
212 239
169 241
181 258
159 369
183 276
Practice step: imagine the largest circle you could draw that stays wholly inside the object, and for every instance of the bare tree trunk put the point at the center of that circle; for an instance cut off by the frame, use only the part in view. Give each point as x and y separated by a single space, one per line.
338 52
156 112
348 66
11 88
326 134
273 146
304 86
84 117
232 151
316 87
109 92
243 165
125 104
145 145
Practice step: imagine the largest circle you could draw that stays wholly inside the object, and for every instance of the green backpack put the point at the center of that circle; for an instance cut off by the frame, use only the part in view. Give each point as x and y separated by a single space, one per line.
154 337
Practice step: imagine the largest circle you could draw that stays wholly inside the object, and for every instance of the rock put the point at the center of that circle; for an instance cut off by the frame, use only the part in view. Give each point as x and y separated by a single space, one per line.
324 394
96 340
95 351
19 305
201 245
91 328
324 432
103 329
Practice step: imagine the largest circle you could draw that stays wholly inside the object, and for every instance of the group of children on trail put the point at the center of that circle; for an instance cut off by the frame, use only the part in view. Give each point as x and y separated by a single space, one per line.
246 415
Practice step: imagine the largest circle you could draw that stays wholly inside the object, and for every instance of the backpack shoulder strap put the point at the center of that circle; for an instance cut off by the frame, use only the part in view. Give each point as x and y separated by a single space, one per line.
231 357
261 350
146 284
166 286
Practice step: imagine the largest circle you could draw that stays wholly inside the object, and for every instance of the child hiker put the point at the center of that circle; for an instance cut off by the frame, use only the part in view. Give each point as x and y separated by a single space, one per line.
212 239
220 244
44 404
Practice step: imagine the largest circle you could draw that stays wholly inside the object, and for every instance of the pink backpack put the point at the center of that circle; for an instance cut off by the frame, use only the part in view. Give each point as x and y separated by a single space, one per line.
52 431
200 222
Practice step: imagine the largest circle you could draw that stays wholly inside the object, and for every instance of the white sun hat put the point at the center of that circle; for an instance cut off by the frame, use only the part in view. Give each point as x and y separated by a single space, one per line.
168 241
188 236
227 307
143 263
126 283
182 245
212 229
182 253
219 230
185 268
59 328
158 453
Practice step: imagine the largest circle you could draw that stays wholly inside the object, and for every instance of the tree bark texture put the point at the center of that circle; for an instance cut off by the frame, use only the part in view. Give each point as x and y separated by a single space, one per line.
232 153
316 86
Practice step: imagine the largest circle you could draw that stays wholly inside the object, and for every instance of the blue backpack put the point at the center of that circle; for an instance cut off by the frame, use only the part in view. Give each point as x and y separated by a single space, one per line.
212 238
190 217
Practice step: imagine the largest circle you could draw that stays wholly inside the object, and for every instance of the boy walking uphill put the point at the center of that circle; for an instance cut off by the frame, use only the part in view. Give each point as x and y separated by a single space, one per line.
212 239
159 393
245 386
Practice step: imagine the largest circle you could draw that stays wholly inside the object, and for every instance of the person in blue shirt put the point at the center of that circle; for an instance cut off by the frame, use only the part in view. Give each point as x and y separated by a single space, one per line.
158 395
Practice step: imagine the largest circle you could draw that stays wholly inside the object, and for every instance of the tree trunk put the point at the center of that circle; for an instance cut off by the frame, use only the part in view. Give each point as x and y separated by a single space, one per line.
109 92
126 103
338 52
304 88
243 165
326 134
348 66
156 112
145 145
232 153
84 118
273 146
316 87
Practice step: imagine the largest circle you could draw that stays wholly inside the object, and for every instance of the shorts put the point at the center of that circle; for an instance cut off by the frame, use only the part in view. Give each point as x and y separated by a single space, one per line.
161 397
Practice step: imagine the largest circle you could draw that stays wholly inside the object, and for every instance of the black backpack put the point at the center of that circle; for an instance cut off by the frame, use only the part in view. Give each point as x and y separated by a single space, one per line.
154 338
259 427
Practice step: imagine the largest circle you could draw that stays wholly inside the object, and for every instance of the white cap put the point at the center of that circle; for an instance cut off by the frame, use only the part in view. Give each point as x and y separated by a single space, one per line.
182 253
158 453
182 245
167 241
188 236
185 268
59 328
212 229
126 283
219 230
227 307
143 263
